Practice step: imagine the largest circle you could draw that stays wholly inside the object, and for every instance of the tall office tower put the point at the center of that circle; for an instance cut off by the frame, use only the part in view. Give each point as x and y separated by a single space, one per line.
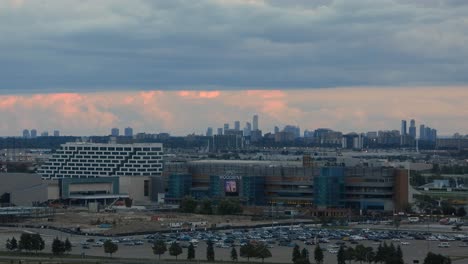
434 135
33 133
115 132
247 129
255 122
403 128
428 133
226 127
422 132
209 132
45 134
128 132
276 129
220 131
412 128
56 133
26 134
237 125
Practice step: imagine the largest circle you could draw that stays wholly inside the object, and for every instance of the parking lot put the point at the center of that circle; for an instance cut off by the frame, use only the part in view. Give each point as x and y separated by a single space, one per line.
281 240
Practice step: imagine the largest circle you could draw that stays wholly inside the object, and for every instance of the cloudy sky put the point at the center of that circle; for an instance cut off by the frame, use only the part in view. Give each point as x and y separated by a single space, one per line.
180 66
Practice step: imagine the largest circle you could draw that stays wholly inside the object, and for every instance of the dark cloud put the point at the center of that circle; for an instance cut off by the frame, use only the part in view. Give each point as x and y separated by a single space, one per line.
65 45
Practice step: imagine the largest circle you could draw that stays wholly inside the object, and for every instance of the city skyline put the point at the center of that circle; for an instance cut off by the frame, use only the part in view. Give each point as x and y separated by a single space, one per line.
186 112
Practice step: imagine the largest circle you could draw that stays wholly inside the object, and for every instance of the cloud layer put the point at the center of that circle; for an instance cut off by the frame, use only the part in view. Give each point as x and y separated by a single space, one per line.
79 46
184 112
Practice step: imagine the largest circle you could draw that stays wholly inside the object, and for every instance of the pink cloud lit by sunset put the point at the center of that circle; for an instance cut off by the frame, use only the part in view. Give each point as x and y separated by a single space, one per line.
184 112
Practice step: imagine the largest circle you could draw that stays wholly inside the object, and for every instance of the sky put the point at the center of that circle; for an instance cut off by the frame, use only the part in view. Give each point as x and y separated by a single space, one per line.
180 66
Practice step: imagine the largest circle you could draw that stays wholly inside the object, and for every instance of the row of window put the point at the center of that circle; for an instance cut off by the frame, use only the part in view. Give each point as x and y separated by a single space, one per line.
114 148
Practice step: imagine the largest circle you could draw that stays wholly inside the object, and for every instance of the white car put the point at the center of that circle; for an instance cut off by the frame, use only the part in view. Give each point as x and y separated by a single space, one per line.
405 243
444 245
333 251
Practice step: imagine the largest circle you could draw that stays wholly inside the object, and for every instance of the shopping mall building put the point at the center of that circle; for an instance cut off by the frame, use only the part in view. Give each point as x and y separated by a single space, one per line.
288 184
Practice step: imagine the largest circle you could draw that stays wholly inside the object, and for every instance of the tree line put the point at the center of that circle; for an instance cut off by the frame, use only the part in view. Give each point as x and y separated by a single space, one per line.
206 206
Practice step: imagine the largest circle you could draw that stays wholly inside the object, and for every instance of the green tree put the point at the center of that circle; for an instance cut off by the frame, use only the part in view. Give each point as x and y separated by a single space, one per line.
305 256
67 245
318 254
14 244
206 207
229 207
262 252
296 254
349 254
8 244
25 242
37 243
399 256
210 253
159 248
233 254
341 257
191 252
175 249
461 212
188 205
432 258
110 247
247 251
58 247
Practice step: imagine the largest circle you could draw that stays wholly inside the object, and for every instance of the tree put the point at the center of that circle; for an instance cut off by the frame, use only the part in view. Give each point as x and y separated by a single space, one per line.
67 245
58 247
305 256
175 249
432 258
13 244
191 252
233 254
296 255
159 248
25 242
110 247
206 207
461 212
341 257
318 255
188 205
229 207
262 252
37 243
399 256
8 244
210 254
349 254
247 251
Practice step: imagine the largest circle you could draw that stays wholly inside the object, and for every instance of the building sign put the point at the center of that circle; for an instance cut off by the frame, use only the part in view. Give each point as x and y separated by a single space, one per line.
230 177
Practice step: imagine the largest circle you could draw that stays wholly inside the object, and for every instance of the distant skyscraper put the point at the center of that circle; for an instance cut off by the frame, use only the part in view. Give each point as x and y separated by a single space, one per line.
26 134
403 128
255 122
412 128
226 127
422 132
33 133
128 132
45 134
56 133
220 131
247 129
115 132
237 125
209 132
276 129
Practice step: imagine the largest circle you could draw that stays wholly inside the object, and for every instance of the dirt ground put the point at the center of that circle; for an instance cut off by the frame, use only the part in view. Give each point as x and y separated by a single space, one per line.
128 221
